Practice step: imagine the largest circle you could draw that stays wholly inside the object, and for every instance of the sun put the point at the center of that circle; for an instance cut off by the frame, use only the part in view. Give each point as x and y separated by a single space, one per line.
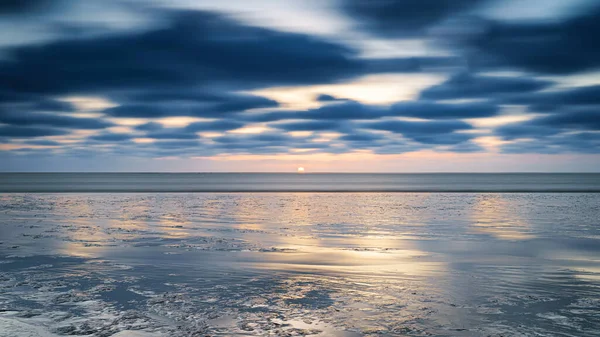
300 169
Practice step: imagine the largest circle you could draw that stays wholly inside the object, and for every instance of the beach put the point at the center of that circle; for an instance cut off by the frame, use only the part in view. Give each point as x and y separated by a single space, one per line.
300 264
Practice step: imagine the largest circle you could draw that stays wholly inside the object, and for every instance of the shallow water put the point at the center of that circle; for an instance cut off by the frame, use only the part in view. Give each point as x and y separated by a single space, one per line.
300 264
293 182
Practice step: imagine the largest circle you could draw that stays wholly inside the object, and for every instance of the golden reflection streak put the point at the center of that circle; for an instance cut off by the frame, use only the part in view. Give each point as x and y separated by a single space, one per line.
291 231
494 215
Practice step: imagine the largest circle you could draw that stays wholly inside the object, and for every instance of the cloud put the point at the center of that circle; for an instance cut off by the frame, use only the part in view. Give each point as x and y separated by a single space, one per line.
150 126
111 137
406 18
48 119
197 49
309 126
327 98
42 142
177 144
431 110
583 142
524 130
545 47
350 110
215 126
361 137
170 134
29 131
432 132
579 119
553 100
189 63
571 130
24 6
469 86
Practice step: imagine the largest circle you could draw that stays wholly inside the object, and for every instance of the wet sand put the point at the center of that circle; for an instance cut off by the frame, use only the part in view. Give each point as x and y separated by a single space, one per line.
300 264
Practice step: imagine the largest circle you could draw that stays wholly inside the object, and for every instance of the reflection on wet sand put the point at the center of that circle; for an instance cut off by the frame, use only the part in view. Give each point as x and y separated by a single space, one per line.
307 264
494 214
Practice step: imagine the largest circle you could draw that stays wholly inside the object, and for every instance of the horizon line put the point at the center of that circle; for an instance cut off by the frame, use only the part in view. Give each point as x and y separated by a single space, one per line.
298 173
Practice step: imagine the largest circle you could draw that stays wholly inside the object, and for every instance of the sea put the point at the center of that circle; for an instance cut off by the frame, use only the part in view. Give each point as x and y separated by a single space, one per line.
271 254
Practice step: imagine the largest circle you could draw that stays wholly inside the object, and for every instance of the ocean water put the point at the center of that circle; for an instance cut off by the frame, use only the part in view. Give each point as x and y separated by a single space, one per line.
294 182
302 264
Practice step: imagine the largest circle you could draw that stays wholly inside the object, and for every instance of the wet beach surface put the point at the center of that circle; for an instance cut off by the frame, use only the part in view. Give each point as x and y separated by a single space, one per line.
300 264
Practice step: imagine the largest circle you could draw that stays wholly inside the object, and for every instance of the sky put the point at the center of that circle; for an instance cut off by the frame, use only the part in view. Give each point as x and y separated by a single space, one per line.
272 85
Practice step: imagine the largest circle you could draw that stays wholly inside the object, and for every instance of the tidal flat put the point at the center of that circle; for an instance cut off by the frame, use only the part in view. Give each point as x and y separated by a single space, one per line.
300 264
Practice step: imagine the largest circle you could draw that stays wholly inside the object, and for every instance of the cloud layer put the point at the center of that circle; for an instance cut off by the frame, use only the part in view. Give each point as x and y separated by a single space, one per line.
191 82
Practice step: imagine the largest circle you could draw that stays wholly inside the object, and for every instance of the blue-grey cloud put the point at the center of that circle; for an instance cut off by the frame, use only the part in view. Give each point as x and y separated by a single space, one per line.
571 130
214 126
48 119
467 86
350 110
405 18
30 131
150 126
578 119
309 126
112 137
558 99
170 134
583 142
432 132
431 110
24 6
176 144
361 137
524 130
43 142
197 49
548 47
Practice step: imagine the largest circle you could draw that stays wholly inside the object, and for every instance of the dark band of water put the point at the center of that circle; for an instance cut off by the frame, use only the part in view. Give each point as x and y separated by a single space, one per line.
283 182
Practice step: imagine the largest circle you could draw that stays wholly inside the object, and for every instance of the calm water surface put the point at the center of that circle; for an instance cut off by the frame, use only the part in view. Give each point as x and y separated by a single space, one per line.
293 182
300 264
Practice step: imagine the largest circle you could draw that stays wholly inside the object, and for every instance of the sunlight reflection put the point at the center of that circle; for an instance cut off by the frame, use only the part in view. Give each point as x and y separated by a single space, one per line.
494 215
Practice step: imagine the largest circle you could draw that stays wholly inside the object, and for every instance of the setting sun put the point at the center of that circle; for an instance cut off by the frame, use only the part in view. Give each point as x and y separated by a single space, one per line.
300 169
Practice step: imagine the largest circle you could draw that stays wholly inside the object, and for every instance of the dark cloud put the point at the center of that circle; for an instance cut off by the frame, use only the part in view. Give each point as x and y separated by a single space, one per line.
309 126
112 137
24 6
552 124
583 142
140 111
524 130
150 126
177 144
580 119
196 49
48 119
29 131
465 86
43 142
53 105
361 137
432 132
566 131
170 134
553 100
198 107
351 110
548 47
404 18
214 126
431 110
